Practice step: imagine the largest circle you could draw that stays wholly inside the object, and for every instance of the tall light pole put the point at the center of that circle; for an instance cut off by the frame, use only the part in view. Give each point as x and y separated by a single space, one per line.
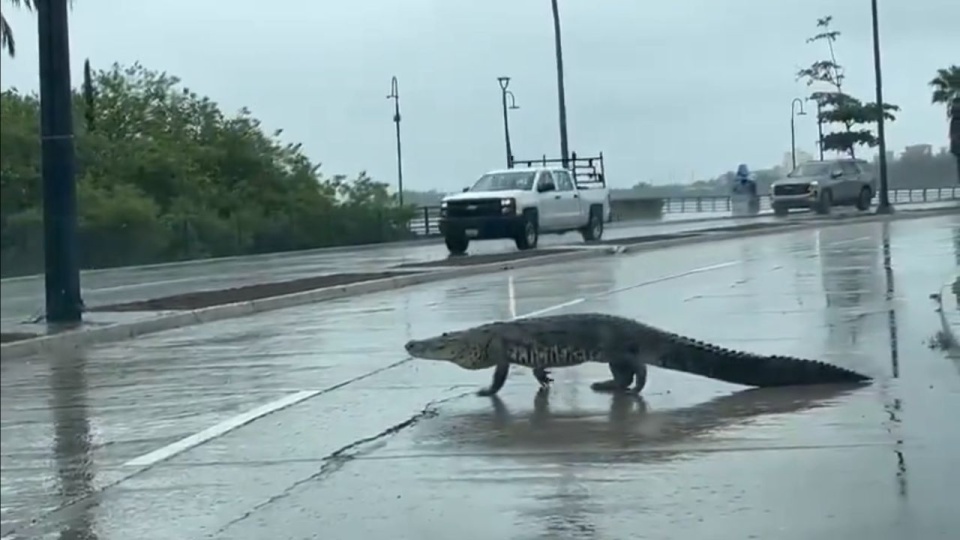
561 94
395 96
883 205
61 259
504 93
793 128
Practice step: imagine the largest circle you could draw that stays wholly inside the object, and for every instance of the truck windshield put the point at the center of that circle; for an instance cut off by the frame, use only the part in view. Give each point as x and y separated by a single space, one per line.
811 168
505 181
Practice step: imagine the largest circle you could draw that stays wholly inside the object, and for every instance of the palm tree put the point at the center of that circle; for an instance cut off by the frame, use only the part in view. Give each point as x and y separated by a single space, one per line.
6 32
946 86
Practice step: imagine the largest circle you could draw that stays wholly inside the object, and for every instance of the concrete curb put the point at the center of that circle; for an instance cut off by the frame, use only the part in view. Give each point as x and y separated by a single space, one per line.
950 319
121 331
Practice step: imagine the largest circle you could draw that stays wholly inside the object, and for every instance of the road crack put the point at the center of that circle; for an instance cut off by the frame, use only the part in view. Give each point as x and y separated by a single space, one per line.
334 461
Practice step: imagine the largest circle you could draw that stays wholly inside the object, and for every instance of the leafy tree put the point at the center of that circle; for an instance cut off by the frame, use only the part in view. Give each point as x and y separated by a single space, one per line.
946 86
7 42
166 175
838 107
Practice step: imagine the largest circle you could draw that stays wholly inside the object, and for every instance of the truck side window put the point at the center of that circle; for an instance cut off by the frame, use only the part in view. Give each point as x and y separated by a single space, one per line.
563 181
545 178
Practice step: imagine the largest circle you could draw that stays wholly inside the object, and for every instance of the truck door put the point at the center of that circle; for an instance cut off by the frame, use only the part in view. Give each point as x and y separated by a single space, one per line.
571 213
550 202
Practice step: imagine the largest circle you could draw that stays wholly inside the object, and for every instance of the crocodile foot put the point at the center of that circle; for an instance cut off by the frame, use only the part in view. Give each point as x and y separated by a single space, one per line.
543 377
609 386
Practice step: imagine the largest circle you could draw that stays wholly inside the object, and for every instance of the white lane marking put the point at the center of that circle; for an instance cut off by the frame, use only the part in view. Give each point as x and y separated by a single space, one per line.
217 430
230 424
670 277
511 297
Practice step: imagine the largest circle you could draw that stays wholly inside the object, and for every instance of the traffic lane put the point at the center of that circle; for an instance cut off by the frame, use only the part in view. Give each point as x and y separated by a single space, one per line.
128 399
22 298
273 467
695 458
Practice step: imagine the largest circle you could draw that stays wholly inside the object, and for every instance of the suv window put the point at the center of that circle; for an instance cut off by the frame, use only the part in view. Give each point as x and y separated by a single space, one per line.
564 183
849 168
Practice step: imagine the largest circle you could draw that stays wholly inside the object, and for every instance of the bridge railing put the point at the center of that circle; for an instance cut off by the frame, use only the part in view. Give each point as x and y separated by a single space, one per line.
425 224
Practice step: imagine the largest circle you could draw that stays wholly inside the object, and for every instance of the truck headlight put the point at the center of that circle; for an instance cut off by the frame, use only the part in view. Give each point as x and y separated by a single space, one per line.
443 209
508 206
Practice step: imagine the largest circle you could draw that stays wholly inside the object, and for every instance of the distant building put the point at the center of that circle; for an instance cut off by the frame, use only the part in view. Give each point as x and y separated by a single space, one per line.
787 161
918 151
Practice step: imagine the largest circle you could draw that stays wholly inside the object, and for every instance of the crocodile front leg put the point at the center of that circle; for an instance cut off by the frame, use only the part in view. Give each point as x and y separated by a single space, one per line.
499 377
543 377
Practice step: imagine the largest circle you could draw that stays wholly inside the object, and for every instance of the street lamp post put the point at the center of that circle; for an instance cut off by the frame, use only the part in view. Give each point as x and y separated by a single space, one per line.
61 259
561 94
504 93
819 127
883 205
793 128
395 96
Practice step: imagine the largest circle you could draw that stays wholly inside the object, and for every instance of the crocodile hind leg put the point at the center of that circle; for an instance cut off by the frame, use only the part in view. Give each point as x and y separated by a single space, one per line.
622 377
624 373
543 377
499 377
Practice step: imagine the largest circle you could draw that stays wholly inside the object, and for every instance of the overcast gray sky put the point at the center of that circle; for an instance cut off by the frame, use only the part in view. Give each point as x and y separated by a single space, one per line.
666 90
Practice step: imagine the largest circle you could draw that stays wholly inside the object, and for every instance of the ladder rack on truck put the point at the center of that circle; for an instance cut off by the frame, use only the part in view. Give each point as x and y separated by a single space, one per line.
587 171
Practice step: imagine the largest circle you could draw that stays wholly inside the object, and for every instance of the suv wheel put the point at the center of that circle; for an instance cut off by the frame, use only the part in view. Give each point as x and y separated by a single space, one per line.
824 203
863 200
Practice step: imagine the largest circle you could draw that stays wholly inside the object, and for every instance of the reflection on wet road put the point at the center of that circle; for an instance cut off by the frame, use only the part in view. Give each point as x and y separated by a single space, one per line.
310 423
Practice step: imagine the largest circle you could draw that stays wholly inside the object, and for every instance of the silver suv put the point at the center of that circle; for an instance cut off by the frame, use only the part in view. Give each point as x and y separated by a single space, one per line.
820 185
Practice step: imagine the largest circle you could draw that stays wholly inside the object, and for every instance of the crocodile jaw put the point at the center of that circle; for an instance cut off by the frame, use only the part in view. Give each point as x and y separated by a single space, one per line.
451 347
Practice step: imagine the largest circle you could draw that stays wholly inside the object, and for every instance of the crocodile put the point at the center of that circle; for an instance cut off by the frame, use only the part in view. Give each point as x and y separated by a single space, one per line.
625 345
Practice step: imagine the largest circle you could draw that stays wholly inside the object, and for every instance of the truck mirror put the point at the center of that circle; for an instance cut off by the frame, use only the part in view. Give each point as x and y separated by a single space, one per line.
545 187
466 189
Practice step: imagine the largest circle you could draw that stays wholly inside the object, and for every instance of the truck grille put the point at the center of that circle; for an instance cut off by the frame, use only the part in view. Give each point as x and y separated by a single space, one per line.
475 208
791 189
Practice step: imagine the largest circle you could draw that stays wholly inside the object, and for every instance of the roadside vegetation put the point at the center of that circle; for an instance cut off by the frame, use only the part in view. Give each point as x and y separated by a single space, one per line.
163 174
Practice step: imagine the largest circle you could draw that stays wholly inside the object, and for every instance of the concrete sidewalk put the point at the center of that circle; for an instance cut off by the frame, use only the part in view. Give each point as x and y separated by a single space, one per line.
310 422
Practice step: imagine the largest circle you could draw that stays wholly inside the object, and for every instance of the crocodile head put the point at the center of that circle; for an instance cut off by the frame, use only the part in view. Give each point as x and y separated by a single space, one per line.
465 348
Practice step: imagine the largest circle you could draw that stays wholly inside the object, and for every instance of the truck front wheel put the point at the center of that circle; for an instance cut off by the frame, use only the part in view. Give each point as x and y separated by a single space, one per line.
456 243
529 233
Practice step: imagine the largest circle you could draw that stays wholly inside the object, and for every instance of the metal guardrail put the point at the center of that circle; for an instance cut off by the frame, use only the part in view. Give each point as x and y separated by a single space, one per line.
425 224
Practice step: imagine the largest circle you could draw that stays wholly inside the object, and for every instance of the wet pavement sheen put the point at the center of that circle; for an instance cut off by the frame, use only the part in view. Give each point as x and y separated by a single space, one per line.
21 299
378 446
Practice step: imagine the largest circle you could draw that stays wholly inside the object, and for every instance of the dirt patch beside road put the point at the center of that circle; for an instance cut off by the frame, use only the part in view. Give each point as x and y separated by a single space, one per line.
202 299
7 337
470 260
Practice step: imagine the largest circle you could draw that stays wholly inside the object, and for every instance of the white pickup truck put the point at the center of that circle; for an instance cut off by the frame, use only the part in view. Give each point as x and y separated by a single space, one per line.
522 204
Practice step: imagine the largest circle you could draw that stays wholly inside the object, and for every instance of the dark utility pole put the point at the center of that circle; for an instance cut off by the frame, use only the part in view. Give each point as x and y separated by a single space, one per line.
561 94
793 128
820 130
883 206
61 260
395 95
504 93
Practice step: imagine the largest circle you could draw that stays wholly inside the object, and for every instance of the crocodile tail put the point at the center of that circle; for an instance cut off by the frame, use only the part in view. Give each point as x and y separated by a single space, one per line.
699 358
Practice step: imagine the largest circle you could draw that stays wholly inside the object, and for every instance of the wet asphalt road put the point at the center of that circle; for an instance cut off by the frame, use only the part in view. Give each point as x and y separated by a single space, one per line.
21 299
408 452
